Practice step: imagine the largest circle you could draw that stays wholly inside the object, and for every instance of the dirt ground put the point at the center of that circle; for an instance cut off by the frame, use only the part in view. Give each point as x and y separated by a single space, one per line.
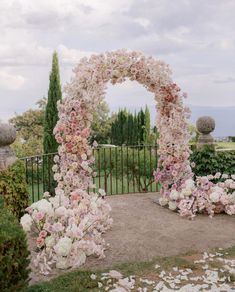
143 230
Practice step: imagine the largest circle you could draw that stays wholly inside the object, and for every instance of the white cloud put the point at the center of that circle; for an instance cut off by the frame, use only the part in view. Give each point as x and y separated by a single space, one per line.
196 38
10 82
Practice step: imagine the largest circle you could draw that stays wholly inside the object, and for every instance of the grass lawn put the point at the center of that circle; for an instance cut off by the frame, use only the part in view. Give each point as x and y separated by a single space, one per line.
174 272
113 186
225 145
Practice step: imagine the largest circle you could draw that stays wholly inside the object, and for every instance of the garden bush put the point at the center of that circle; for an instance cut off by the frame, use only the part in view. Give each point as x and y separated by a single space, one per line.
13 189
14 255
209 162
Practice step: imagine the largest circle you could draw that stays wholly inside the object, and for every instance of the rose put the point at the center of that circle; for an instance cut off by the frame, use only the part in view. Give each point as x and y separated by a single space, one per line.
40 242
26 222
43 233
172 206
50 241
215 197
63 246
174 195
163 201
61 211
39 216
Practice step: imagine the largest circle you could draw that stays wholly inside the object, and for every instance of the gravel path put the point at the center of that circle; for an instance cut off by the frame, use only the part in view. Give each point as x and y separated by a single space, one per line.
143 230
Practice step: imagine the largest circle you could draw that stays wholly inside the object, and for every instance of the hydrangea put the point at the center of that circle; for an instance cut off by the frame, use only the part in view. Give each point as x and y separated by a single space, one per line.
26 222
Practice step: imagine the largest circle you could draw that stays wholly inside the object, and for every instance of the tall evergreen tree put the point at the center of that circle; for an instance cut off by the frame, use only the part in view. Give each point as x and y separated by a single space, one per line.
51 117
51 114
146 125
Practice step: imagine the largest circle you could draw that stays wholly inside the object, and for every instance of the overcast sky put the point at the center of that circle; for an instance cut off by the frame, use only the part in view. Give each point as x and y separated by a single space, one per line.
196 37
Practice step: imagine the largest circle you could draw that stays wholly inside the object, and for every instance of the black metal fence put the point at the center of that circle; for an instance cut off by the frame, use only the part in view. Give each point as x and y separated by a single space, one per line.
119 170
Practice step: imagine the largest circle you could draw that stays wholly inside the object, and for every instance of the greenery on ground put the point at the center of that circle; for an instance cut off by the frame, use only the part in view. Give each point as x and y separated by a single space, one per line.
14 261
81 280
13 189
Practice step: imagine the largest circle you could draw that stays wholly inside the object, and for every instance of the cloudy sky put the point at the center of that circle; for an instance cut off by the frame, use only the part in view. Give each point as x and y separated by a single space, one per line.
196 37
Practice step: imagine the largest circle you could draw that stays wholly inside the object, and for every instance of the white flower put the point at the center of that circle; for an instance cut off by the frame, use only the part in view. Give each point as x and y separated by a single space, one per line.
172 206
174 195
189 183
44 206
50 241
102 192
61 211
63 246
62 263
84 165
84 156
215 197
79 259
225 175
185 193
26 222
163 201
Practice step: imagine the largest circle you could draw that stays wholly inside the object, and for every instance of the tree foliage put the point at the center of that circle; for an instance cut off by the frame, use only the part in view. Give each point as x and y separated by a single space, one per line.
132 129
51 114
29 126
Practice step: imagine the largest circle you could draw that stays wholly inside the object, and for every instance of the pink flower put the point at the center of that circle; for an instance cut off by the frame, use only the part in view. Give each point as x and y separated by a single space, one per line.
43 234
40 242
39 215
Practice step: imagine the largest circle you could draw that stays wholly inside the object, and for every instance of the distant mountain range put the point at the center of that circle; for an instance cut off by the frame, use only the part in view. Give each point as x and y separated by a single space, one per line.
224 117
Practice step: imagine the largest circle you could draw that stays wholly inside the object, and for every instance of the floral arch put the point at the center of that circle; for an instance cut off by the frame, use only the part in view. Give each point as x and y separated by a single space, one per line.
88 88
70 225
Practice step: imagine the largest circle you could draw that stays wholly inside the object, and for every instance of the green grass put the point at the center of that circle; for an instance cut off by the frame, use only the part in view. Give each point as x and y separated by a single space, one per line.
225 145
113 186
80 280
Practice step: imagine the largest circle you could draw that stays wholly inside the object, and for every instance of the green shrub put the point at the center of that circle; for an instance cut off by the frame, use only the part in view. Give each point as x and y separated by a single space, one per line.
209 162
13 189
14 254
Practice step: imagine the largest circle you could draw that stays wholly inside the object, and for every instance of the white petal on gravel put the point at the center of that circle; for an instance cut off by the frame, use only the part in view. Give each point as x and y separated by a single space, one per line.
93 276
115 274
157 267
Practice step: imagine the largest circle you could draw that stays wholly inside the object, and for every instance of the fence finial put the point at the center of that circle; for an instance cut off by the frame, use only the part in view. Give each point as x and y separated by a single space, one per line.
7 137
205 125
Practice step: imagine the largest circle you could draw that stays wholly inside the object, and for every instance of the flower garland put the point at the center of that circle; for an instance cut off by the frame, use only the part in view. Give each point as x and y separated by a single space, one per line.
69 226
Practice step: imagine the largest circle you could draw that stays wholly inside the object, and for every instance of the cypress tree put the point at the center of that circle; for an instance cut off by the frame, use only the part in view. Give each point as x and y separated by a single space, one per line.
51 114
146 125
51 117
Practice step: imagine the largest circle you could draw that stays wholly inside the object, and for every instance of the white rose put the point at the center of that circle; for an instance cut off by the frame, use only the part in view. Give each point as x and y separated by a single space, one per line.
50 241
174 195
63 246
172 206
45 206
102 192
215 197
26 222
61 211
185 193
83 156
189 183
163 201
62 263
79 259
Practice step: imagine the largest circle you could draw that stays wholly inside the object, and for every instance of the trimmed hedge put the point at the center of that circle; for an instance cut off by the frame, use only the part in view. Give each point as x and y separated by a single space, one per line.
14 255
13 189
207 161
